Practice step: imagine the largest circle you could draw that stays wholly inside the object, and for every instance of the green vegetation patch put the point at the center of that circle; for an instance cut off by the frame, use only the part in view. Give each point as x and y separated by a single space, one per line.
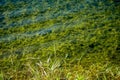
78 43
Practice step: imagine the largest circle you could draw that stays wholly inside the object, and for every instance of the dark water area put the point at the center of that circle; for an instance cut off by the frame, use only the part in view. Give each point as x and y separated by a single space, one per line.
37 9
29 11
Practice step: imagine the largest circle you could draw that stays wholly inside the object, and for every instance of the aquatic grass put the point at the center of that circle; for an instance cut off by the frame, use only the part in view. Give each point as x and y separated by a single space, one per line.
51 69
1 76
82 42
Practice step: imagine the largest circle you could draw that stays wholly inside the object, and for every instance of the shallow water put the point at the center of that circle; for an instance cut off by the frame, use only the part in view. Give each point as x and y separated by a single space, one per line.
20 13
35 11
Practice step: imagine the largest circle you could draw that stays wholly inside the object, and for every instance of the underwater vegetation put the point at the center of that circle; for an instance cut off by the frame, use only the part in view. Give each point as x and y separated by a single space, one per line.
60 40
